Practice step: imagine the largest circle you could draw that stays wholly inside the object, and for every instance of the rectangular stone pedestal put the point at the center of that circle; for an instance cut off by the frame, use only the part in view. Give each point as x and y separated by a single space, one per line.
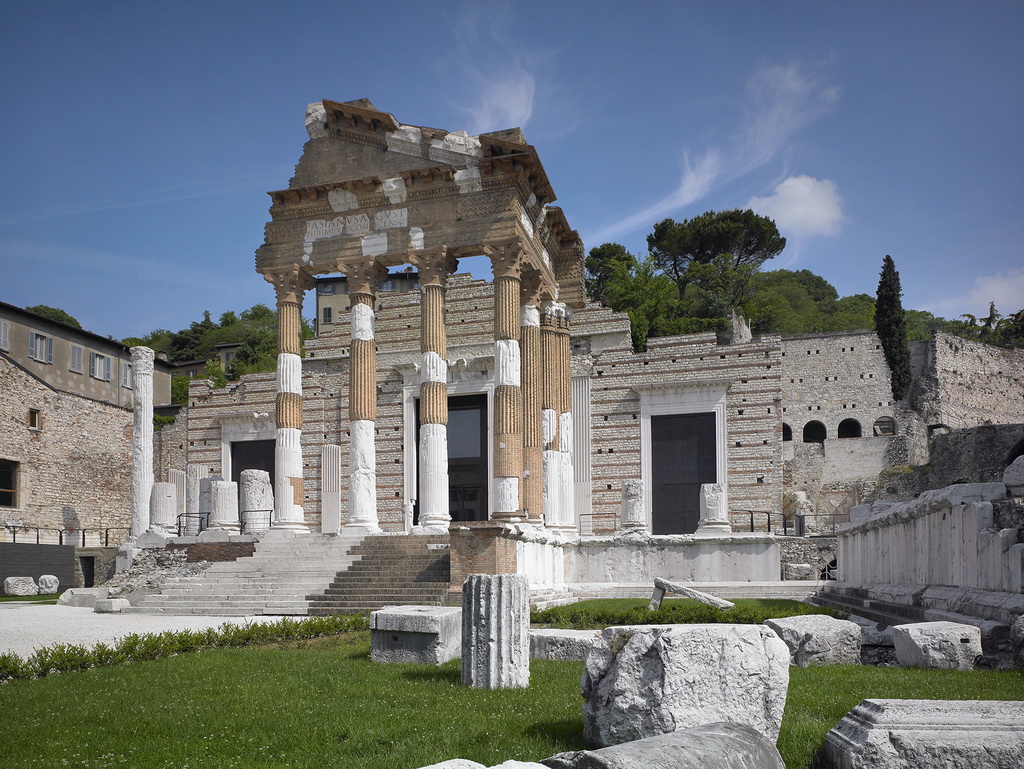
429 635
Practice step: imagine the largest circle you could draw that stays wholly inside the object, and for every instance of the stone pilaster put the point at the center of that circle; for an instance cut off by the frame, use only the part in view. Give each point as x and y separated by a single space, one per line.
533 383
496 631
434 268
506 263
142 438
567 495
362 398
290 285
551 402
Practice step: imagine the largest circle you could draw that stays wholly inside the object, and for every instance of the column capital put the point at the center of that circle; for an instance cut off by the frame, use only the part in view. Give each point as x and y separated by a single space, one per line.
531 288
507 257
434 266
290 283
363 276
142 360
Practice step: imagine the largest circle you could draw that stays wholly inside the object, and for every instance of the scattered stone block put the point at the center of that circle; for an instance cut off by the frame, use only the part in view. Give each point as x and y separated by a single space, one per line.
496 631
798 571
906 734
111 605
644 680
556 644
48 584
817 639
429 635
20 586
937 645
1013 478
662 586
708 746
82 596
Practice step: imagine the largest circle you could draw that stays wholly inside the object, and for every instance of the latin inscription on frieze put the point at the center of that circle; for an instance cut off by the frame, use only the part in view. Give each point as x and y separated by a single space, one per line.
391 219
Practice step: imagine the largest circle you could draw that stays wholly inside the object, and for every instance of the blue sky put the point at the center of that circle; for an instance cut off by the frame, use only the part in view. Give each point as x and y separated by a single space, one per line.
139 139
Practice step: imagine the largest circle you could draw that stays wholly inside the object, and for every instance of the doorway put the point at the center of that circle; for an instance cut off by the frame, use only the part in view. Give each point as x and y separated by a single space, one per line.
467 458
683 456
252 455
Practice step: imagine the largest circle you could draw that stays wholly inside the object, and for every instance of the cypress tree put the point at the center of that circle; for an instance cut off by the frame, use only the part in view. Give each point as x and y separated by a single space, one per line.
891 326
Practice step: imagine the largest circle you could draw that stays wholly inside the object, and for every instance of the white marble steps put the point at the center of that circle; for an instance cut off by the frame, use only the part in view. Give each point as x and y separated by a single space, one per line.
275 580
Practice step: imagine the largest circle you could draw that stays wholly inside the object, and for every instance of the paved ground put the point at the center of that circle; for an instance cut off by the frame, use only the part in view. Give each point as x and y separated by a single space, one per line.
25 626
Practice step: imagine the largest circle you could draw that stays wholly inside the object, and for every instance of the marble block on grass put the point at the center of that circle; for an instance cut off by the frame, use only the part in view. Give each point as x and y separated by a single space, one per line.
937 645
20 586
644 680
111 605
556 644
430 635
907 734
818 639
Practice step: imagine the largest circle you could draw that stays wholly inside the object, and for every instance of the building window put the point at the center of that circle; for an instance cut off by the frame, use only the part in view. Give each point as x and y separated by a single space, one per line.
76 359
787 432
326 315
40 347
325 289
5 336
849 428
127 375
99 366
35 421
814 432
8 483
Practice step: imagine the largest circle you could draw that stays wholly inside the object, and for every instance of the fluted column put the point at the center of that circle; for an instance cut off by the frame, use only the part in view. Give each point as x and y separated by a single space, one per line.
506 262
290 285
532 382
551 403
142 438
567 491
434 268
362 398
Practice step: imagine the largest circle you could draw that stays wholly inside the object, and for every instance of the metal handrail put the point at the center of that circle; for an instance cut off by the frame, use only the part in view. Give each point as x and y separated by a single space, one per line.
70 532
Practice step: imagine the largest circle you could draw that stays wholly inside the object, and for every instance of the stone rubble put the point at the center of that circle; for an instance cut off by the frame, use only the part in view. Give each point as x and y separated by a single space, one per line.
937 645
644 680
151 570
662 586
818 639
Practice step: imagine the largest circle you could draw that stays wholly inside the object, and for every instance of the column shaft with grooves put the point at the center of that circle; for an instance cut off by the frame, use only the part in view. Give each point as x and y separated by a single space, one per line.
508 434
362 409
290 284
533 440
550 402
142 439
434 499
567 496
496 631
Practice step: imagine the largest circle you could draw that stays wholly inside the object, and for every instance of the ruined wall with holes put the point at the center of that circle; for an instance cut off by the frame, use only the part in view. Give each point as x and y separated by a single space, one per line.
960 383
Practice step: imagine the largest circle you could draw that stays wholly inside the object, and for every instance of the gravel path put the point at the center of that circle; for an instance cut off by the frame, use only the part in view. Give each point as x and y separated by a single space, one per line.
25 627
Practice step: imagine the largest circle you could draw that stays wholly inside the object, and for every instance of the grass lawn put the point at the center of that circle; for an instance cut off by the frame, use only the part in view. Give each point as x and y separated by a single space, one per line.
323 703
51 598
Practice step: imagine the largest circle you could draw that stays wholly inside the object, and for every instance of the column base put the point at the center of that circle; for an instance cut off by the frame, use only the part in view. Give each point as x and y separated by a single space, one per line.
431 531
298 527
714 529
360 530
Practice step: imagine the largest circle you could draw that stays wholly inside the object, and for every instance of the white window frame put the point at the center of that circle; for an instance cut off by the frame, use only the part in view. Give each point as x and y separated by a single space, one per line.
40 347
76 359
127 375
99 366
5 336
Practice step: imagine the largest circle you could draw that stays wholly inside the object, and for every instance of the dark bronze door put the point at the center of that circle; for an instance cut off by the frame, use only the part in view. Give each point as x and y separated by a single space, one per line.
682 458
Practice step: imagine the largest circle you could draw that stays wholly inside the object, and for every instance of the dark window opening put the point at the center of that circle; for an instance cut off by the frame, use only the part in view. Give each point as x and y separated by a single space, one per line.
849 428
814 432
787 432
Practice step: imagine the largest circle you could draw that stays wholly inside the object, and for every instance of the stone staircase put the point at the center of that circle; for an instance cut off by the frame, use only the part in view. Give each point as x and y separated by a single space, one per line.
389 571
276 579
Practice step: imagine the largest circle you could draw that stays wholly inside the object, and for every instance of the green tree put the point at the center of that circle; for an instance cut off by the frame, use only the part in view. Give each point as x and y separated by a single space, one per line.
600 268
55 313
215 373
891 326
179 390
720 252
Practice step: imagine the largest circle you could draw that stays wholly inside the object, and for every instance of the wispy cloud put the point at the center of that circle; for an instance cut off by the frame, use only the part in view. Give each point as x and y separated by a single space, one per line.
802 205
1005 288
505 102
780 102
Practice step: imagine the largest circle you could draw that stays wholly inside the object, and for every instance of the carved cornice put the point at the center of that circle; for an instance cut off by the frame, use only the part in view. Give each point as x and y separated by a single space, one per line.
290 283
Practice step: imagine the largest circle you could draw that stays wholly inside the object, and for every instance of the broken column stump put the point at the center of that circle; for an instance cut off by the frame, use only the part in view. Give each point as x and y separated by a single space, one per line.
496 631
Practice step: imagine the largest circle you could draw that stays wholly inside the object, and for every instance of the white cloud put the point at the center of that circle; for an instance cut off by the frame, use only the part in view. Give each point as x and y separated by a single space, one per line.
1005 288
803 205
781 101
506 101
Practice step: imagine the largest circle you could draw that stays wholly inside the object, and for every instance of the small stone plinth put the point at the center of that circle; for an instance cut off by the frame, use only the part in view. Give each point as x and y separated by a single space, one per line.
111 605
818 639
906 734
496 631
429 635
937 645
555 644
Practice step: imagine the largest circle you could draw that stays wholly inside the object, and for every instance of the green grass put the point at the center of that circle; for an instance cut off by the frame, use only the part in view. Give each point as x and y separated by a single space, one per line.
52 598
820 696
604 612
322 702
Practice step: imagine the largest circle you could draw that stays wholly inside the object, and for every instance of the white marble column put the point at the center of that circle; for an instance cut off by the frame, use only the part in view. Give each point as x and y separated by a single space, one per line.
257 500
224 506
142 438
533 375
496 631
163 508
549 414
567 491
194 474
330 489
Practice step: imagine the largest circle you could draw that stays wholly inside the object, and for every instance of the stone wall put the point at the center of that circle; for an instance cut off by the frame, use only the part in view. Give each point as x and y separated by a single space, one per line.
74 470
170 447
961 383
